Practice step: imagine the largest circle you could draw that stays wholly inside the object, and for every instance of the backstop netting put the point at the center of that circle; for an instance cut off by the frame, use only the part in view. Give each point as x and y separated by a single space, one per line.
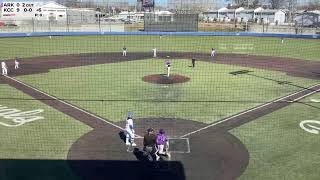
233 105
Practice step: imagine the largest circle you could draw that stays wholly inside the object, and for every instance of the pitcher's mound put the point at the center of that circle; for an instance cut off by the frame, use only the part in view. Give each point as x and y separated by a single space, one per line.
163 79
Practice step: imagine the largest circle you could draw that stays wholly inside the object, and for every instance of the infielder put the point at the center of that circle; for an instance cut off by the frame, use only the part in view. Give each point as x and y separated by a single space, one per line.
124 51
4 68
16 63
213 52
129 131
154 52
168 65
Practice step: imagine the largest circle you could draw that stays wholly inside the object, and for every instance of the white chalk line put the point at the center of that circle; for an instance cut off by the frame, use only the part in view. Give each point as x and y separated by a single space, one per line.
258 107
68 104
315 100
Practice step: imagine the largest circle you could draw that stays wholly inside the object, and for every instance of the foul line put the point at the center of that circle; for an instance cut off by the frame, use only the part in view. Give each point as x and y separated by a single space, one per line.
258 107
68 104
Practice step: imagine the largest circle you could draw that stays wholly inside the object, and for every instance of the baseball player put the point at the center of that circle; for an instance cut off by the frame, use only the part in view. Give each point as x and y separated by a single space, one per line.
282 40
213 52
124 51
154 52
16 63
4 68
193 60
129 131
168 65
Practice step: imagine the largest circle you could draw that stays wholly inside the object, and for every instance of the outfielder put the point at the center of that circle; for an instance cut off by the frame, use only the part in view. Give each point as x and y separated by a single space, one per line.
129 131
4 68
154 52
124 51
16 63
168 65
193 61
213 52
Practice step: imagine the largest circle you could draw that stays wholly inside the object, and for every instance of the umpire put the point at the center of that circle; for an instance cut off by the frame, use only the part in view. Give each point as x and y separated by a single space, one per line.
193 60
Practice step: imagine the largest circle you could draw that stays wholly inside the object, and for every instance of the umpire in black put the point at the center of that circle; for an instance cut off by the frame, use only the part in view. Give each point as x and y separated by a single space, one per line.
193 60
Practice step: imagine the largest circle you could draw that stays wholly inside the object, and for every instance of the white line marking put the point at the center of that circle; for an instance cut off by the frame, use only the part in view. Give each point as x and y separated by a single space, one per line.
258 107
309 94
68 104
315 100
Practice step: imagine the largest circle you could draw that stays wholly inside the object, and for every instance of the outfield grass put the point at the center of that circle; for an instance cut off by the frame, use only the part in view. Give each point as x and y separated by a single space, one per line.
41 46
111 90
48 138
279 148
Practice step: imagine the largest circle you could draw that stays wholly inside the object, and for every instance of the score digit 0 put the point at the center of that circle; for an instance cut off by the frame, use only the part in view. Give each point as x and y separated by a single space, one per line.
26 9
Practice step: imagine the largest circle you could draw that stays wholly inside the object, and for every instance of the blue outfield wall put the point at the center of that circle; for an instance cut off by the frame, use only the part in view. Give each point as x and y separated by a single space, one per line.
36 34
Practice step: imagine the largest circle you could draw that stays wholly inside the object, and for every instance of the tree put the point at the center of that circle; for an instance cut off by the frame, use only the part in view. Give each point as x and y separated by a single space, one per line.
313 5
291 5
246 3
239 3
276 4
255 4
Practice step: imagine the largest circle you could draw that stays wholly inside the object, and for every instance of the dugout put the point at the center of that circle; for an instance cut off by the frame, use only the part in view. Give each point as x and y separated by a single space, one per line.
171 22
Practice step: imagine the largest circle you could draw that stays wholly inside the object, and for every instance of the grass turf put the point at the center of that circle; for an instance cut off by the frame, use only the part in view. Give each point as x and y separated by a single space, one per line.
42 46
38 149
48 138
111 90
279 148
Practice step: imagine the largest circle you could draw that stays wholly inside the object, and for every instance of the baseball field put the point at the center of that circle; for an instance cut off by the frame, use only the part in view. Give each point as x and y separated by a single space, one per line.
250 112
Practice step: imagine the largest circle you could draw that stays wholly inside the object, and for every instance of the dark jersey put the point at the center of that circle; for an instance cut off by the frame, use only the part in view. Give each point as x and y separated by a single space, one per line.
149 140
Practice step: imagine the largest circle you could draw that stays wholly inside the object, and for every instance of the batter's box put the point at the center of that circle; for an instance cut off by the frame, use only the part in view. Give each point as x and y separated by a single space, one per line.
179 145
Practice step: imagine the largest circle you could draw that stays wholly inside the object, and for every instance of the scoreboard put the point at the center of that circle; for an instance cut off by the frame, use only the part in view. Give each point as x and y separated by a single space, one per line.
21 9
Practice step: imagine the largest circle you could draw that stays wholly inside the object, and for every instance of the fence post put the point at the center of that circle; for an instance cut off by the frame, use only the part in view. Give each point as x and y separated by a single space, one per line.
49 25
67 23
33 30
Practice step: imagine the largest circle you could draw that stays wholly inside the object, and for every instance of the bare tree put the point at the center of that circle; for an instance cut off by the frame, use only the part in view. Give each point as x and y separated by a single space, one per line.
276 4
239 3
255 4
291 5
245 3
313 5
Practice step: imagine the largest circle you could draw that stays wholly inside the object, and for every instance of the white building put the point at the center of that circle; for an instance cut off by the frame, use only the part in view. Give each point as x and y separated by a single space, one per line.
259 15
308 18
271 16
52 11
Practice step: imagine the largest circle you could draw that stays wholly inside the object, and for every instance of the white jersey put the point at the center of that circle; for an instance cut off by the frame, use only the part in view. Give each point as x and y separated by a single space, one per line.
129 122
16 62
3 65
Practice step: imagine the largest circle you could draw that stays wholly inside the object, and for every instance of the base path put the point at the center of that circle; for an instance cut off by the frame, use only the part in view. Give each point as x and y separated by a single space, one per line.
214 152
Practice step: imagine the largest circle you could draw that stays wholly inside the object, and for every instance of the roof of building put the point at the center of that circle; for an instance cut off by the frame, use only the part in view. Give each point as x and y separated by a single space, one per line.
53 5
